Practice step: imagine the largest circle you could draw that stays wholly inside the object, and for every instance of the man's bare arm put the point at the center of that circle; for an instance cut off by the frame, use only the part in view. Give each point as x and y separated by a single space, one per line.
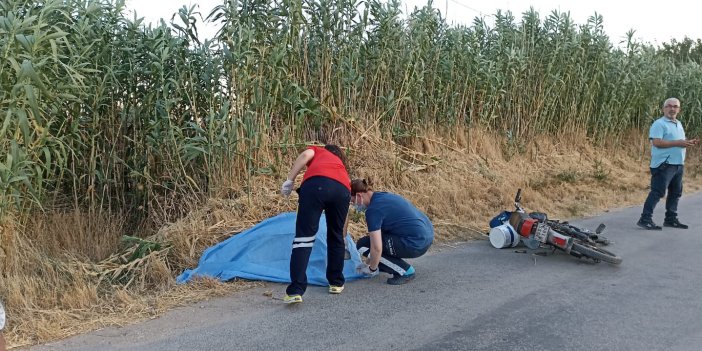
657 142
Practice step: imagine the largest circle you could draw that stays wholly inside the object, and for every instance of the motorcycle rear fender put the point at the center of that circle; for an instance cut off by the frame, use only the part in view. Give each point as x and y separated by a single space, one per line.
559 240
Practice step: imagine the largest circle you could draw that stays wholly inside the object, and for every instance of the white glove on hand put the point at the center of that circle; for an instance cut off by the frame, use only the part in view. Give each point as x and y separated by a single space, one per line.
365 270
287 187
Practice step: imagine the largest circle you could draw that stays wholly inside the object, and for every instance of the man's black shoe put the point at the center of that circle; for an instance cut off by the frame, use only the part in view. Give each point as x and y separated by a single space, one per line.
674 223
648 225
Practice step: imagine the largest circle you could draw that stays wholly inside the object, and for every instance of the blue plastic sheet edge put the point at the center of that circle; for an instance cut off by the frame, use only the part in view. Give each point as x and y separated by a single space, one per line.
262 252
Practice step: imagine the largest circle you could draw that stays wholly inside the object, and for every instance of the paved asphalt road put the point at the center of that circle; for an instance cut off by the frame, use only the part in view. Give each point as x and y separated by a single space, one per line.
469 297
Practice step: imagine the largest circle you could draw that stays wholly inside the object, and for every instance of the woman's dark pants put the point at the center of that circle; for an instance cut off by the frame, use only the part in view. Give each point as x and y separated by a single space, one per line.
319 194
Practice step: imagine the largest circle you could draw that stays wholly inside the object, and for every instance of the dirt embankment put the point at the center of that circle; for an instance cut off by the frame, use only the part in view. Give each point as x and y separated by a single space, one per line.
460 182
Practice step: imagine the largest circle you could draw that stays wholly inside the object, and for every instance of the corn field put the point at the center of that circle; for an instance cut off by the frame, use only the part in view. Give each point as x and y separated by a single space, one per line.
103 114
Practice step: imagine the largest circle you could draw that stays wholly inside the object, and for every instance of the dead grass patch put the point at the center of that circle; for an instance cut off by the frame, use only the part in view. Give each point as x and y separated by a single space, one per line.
76 275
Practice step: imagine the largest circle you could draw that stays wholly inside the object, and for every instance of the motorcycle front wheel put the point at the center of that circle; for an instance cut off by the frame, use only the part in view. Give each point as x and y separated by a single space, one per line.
596 253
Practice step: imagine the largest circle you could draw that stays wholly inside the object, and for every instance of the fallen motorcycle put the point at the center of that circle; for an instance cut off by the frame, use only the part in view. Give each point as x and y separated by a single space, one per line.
536 230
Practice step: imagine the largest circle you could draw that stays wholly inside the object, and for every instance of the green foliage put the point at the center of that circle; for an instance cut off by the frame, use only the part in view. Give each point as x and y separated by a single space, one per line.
356 217
111 115
568 176
684 51
600 172
139 248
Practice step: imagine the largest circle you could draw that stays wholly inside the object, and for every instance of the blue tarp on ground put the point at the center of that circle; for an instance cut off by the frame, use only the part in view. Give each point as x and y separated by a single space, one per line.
262 252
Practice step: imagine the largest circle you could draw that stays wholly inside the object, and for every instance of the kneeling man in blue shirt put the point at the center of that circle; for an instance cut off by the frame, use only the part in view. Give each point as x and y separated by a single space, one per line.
396 230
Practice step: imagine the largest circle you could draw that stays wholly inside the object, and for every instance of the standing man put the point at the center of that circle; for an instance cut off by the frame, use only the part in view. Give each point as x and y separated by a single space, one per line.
668 145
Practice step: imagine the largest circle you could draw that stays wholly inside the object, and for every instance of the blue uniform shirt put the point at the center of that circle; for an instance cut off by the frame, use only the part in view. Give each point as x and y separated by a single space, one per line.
394 215
667 129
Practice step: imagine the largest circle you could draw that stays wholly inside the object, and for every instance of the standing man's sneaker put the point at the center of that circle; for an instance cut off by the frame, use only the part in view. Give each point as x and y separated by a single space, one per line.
648 224
674 223
400 279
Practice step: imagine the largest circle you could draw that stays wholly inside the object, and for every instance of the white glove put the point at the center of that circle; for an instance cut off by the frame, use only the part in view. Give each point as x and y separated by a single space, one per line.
365 270
287 187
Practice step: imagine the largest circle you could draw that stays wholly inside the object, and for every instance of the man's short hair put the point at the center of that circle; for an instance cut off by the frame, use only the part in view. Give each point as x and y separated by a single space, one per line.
670 99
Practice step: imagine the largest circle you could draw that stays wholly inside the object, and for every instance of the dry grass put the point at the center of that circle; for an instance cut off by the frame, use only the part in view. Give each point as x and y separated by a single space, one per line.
54 290
31 325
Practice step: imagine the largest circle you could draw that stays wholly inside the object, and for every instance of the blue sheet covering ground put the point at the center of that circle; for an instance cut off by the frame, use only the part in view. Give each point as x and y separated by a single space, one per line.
262 252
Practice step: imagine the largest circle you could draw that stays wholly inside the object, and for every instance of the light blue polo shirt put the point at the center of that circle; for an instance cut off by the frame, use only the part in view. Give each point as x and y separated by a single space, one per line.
667 129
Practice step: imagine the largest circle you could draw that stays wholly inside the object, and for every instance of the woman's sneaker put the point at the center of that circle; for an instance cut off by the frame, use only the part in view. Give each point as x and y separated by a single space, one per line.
292 298
333 289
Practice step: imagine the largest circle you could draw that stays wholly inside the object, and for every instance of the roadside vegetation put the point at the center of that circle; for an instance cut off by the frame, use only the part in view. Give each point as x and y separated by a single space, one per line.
127 150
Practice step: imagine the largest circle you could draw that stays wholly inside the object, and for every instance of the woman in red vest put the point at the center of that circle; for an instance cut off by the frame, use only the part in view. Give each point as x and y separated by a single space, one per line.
326 186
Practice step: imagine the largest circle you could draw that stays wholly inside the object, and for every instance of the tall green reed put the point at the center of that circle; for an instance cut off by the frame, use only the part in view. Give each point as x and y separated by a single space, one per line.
100 112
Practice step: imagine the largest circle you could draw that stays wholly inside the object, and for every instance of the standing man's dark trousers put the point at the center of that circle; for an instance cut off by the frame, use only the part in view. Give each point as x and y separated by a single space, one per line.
665 176
319 194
